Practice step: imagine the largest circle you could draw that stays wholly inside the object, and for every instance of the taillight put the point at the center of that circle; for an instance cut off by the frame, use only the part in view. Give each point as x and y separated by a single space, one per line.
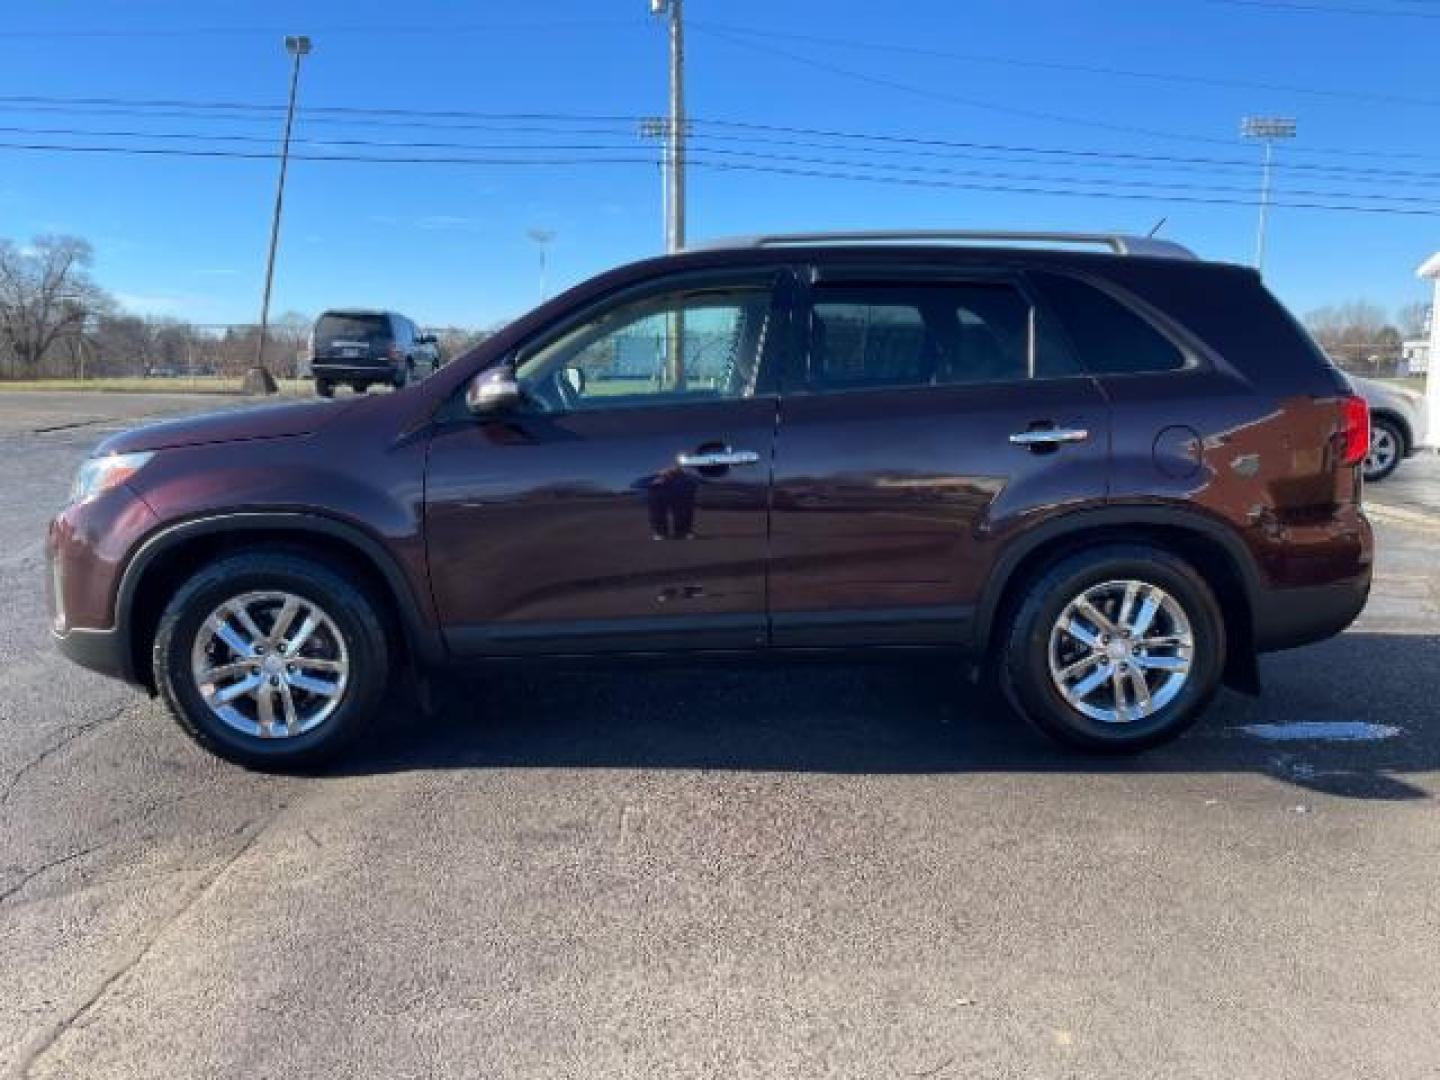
1355 430
395 352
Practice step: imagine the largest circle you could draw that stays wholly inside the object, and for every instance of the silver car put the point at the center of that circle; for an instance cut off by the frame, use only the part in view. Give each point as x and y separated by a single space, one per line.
1397 424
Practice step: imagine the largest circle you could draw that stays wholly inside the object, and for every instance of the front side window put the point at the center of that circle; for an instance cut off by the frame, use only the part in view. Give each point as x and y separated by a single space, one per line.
929 334
675 348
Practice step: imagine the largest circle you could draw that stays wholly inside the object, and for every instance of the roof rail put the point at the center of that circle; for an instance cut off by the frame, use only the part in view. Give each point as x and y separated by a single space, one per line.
1118 243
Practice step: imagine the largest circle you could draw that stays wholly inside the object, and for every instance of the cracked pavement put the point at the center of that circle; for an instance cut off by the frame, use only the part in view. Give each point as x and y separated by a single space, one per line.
849 871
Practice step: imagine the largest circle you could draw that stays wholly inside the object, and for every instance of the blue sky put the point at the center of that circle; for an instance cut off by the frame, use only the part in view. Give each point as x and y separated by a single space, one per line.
447 244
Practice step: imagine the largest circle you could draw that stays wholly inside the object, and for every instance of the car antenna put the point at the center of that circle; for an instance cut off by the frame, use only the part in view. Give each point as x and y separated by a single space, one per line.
1158 226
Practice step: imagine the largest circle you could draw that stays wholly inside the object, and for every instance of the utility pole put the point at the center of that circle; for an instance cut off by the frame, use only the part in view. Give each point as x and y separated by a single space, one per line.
675 143
1266 129
259 379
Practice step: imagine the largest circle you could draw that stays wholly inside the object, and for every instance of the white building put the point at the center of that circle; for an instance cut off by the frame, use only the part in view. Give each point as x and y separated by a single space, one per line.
1415 356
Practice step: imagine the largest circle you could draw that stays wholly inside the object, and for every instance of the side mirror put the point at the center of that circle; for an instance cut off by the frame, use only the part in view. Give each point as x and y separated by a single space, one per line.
493 390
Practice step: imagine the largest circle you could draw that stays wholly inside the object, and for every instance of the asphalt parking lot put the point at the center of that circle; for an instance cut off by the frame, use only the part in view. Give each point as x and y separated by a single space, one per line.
738 873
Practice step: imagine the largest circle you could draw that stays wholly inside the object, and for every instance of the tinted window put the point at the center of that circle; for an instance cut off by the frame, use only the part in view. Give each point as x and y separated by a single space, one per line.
351 326
1111 338
922 334
674 348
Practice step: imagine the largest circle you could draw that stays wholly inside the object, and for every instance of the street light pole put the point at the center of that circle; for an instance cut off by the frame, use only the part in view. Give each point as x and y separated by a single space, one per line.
1266 129
675 143
259 380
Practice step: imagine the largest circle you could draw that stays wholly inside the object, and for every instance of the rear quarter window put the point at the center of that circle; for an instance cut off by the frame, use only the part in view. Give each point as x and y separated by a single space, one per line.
1111 339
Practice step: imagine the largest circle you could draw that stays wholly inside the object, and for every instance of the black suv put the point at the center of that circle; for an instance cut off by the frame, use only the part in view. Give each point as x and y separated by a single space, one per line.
366 347
1110 480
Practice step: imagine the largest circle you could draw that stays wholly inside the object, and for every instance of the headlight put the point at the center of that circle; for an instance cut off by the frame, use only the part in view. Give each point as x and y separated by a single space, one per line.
99 474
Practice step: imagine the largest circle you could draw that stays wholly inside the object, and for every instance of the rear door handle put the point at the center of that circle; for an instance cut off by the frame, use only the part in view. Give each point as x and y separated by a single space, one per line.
717 459
1049 436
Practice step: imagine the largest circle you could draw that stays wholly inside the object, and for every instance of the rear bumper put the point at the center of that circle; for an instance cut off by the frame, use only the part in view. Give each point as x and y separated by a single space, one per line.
99 650
344 372
1286 618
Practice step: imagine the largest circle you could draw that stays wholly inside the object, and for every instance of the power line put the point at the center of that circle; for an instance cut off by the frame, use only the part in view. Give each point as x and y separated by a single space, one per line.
368 115
748 132
957 99
865 173
720 152
943 95
1327 9
826 139
1084 69
277 31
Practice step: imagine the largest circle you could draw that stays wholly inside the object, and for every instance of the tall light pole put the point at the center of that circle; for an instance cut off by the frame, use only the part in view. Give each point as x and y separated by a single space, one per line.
542 238
1266 129
675 143
259 379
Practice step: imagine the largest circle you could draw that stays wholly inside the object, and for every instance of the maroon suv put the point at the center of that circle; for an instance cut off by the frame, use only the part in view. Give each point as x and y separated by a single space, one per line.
1110 479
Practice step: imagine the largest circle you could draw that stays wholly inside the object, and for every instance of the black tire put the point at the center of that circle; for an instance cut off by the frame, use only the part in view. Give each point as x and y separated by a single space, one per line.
1025 664
353 612
359 387
324 387
1384 426
401 376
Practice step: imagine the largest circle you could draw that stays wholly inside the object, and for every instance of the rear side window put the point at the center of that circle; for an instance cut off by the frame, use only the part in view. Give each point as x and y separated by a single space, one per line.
351 326
927 334
1112 339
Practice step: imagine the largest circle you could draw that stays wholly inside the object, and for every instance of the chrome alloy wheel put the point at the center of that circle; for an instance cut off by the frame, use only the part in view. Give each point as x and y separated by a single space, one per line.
1121 651
1384 449
270 664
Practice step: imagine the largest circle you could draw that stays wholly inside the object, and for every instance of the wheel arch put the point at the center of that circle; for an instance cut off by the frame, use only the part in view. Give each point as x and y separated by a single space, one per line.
1217 555
168 557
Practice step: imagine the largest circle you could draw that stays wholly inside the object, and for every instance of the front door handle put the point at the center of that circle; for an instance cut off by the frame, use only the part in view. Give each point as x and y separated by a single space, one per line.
1049 436
717 459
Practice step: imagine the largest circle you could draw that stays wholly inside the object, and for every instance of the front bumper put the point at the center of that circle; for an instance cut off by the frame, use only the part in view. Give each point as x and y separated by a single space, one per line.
85 553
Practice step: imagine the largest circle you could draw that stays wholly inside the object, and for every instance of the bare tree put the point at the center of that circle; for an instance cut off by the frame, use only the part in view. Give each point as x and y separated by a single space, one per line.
45 292
1413 319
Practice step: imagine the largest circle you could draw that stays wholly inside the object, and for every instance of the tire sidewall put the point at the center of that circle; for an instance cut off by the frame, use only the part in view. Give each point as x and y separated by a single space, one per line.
1029 665
353 616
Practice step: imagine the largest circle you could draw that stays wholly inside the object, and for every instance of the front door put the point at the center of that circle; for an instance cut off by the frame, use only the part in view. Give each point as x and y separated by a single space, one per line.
624 506
927 419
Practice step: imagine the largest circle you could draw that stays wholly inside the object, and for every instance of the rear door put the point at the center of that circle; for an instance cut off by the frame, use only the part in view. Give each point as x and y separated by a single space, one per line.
929 417
625 506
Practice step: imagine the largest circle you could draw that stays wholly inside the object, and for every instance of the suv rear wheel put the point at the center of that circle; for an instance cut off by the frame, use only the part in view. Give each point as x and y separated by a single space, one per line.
1116 648
324 387
271 660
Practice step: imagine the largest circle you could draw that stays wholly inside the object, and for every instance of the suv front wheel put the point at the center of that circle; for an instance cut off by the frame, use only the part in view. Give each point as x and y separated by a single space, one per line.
271 660
1116 648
